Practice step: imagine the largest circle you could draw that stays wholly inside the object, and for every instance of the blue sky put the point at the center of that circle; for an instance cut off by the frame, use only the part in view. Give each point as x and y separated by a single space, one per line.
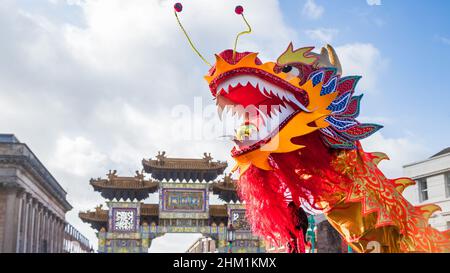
92 85
414 91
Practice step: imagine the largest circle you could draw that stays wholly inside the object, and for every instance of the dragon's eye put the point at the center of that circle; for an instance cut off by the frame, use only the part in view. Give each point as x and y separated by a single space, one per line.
292 71
286 69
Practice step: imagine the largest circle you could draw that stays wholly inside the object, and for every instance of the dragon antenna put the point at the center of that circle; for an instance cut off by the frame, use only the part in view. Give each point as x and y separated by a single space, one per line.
178 8
239 10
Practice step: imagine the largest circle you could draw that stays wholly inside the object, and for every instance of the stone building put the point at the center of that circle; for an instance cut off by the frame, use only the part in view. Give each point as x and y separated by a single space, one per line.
32 203
432 178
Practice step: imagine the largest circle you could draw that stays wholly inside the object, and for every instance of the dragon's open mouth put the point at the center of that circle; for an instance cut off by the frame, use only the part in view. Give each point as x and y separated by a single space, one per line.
254 108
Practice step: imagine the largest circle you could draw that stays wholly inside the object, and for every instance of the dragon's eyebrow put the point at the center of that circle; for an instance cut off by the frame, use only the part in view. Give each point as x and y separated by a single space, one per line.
301 55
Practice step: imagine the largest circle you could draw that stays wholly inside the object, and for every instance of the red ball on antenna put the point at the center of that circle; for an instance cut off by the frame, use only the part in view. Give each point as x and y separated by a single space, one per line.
178 7
239 10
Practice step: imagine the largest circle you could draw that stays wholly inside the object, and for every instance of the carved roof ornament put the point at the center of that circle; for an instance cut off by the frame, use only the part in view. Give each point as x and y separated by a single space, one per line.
98 208
161 156
112 174
207 157
140 176
227 178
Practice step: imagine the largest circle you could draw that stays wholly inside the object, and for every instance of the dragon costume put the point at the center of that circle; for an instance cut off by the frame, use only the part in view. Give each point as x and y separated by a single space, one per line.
298 143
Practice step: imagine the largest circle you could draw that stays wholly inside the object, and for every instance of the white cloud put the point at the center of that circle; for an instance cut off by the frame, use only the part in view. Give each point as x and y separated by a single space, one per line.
323 35
78 156
374 2
312 10
363 59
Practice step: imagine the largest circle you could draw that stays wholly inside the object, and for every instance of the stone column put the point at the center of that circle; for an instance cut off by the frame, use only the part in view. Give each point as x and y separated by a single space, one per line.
32 225
11 220
19 222
45 231
22 224
51 233
38 229
35 217
37 240
54 233
26 223
64 243
56 237
63 225
59 241
63 235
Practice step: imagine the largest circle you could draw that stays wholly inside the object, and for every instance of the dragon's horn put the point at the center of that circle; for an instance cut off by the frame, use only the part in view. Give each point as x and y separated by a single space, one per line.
334 60
329 58
324 57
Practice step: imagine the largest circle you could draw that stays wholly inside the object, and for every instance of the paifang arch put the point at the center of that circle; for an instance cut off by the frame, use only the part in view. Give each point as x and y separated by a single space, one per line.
183 184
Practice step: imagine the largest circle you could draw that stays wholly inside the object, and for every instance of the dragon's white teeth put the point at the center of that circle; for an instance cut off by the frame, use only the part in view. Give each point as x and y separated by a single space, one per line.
253 82
220 112
223 87
274 111
262 117
234 82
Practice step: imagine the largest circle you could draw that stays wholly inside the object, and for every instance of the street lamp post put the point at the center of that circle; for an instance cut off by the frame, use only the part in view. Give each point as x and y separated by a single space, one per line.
231 237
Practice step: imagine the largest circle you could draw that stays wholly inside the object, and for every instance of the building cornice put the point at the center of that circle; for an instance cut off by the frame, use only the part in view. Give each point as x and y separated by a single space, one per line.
426 160
424 175
25 158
